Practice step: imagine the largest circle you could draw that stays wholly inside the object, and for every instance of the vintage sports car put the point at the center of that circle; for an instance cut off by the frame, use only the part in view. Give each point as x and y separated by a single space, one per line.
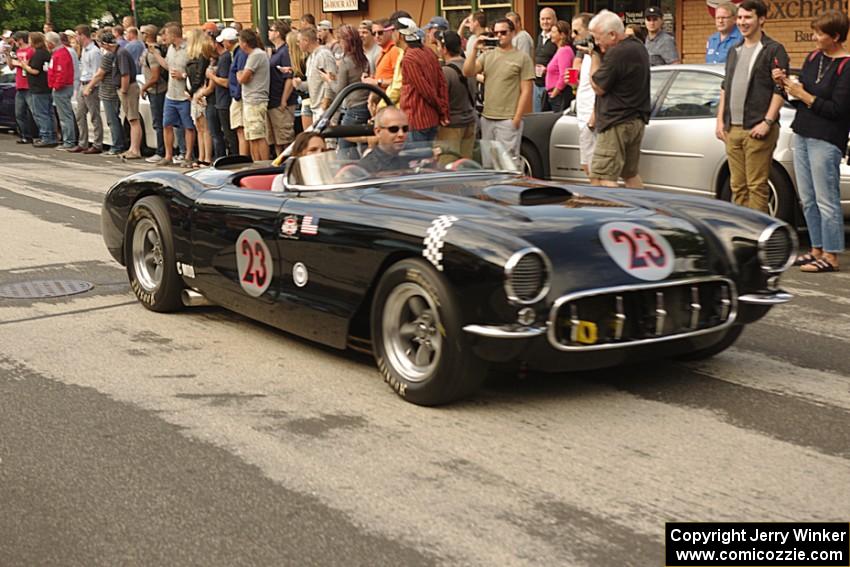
680 152
441 266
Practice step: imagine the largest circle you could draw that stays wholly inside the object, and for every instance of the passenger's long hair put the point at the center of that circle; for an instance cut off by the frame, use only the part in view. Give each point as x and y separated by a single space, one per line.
352 46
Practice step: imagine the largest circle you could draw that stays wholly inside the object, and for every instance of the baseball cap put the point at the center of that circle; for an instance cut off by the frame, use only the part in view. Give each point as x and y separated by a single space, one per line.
325 25
7 34
408 29
366 24
106 37
209 26
437 22
653 12
69 33
227 34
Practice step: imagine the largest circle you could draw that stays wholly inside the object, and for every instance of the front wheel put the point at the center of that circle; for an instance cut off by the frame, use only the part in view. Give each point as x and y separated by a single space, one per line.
151 264
418 339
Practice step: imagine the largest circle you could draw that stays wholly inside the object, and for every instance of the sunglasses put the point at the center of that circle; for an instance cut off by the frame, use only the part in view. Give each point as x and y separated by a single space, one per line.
502 32
377 33
575 32
395 129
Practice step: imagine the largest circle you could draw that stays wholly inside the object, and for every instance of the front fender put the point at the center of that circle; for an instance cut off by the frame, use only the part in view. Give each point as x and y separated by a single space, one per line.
179 193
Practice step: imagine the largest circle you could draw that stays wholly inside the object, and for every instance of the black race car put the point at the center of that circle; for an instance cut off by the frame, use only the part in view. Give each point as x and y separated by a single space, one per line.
444 266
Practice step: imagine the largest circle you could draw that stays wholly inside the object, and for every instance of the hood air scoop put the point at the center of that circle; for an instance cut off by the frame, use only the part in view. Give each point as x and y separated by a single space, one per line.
528 196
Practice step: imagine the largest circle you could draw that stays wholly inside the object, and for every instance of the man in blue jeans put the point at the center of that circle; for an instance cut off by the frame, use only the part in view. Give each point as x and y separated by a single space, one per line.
23 101
42 99
60 78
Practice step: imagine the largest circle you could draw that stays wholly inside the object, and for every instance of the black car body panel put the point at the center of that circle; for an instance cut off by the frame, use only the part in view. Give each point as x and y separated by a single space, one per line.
365 227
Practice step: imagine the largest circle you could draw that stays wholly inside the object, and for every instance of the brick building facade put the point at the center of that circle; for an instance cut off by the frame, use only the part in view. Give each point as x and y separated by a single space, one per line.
788 20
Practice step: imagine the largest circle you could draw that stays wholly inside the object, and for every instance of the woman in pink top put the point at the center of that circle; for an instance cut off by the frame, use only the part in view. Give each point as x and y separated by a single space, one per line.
560 94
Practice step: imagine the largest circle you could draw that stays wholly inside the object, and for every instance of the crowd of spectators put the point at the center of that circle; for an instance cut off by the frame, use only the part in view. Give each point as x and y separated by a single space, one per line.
215 91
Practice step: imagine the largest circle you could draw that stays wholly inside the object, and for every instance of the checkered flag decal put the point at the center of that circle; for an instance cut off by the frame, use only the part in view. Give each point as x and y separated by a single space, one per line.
434 236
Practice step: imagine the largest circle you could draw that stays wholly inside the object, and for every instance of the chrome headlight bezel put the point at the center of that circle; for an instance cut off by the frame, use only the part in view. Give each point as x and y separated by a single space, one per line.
765 236
511 264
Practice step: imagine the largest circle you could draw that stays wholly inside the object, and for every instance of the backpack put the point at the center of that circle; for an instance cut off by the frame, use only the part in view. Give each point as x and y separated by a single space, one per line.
841 65
465 82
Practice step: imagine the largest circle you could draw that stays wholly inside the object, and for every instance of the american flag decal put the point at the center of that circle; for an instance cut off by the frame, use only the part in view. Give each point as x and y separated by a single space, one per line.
310 225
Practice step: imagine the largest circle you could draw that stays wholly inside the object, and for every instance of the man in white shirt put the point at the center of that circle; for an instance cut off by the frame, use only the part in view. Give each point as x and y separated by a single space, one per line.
585 97
88 105
522 39
321 59
477 24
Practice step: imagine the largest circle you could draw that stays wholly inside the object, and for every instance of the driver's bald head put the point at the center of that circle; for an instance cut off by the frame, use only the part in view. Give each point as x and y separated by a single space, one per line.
389 114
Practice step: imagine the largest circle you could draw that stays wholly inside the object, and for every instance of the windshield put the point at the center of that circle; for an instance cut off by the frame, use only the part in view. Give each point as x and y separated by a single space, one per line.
333 166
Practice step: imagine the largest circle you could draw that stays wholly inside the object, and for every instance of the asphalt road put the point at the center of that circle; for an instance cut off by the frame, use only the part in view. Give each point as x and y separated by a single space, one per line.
132 438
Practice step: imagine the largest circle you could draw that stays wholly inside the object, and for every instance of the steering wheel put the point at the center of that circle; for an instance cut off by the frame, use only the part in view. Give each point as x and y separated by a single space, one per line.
350 173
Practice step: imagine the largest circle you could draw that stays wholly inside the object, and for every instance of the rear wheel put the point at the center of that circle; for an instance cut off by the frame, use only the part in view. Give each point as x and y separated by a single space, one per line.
532 165
418 339
782 199
151 264
728 340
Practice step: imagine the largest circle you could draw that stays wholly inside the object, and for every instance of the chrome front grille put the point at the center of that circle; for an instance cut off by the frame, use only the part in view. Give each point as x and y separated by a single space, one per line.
528 277
776 248
630 315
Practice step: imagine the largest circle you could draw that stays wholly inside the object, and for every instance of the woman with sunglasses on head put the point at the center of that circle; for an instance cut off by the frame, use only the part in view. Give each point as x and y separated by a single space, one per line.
560 94
821 124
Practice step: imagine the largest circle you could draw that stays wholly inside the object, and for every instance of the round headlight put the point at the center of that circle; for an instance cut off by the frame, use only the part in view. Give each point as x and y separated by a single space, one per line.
776 248
527 275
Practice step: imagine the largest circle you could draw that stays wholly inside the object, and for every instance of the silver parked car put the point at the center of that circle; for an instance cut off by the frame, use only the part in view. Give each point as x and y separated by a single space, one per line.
680 151
148 133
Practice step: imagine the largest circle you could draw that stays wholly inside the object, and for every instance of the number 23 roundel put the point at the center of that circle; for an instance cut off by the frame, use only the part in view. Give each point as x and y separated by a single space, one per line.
254 262
639 251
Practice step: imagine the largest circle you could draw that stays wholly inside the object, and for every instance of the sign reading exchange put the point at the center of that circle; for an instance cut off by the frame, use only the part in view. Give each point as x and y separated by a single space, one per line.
343 5
800 9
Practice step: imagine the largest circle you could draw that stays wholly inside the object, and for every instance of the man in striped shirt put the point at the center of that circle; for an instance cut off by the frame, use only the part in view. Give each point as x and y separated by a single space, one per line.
424 92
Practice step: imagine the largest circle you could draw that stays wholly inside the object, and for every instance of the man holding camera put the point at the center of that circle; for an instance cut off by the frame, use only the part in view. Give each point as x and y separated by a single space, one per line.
620 79
510 72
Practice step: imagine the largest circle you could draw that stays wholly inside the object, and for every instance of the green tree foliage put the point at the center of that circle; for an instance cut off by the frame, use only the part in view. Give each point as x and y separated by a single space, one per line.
29 14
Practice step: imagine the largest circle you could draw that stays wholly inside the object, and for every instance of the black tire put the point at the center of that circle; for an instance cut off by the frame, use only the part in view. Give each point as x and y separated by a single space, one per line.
728 340
149 253
414 308
533 165
783 198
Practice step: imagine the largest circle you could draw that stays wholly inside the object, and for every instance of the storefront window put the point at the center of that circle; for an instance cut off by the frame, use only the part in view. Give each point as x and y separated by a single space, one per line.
456 10
278 9
217 10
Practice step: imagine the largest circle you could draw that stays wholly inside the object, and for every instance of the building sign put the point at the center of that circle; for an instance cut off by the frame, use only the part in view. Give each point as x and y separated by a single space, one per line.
343 5
638 18
800 9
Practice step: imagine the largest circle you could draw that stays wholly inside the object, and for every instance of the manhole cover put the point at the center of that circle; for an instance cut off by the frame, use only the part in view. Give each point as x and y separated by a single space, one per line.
44 288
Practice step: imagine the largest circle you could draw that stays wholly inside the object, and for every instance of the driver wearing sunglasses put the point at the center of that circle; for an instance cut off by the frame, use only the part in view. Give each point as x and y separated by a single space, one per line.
391 129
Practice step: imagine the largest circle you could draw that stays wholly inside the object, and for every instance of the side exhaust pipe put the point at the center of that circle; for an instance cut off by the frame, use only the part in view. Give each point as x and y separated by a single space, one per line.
192 298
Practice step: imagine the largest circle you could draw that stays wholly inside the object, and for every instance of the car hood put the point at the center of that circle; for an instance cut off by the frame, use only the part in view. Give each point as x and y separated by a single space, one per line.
565 221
